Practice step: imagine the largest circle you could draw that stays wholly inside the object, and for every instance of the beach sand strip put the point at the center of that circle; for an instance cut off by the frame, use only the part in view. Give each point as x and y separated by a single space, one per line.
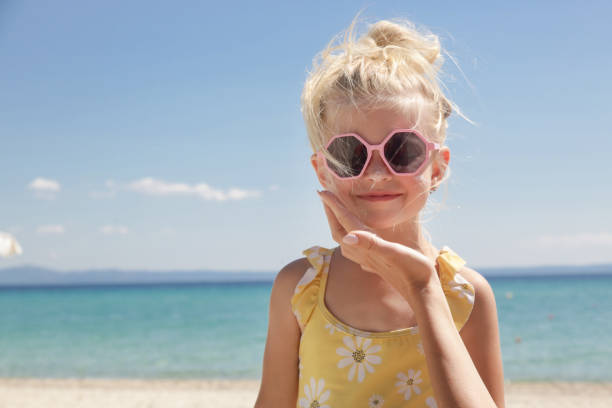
128 393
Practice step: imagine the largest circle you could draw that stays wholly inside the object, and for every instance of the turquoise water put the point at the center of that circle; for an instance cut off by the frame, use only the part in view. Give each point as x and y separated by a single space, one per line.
219 330
565 327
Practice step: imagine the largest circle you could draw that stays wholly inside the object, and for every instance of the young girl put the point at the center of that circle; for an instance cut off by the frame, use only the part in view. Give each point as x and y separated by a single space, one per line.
385 319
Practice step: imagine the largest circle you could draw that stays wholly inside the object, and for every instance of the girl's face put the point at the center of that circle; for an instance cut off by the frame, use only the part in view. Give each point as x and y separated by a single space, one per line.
411 191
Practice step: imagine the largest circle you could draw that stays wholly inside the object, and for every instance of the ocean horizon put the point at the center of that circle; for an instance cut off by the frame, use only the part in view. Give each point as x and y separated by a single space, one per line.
37 276
551 328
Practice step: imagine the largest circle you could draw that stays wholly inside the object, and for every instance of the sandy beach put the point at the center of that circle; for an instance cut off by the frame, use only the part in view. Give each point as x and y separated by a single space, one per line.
90 393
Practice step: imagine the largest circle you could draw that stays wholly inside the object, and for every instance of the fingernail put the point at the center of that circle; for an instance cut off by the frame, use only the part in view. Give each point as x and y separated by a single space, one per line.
350 239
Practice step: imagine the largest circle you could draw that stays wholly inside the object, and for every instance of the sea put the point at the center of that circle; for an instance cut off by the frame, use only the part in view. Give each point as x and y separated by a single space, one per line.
551 328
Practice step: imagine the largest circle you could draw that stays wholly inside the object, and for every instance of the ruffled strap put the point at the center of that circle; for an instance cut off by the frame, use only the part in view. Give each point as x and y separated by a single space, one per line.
306 292
459 292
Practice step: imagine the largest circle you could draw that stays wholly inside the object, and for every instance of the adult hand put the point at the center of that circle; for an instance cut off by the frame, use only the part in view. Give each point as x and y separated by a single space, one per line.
404 268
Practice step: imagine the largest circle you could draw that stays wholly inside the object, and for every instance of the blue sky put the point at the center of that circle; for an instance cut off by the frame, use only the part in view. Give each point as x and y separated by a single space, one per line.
168 135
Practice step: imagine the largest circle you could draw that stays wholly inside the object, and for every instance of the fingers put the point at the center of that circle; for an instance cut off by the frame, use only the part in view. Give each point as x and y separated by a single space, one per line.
365 240
336 228
400 265
375 251
365 248
358 256
387 254
347 219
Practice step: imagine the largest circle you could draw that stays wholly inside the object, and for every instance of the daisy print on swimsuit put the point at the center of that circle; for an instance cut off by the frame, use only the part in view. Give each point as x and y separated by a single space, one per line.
331 328
360 355
315 395
408 383
300 367
419 347
431 402
462 287
376 401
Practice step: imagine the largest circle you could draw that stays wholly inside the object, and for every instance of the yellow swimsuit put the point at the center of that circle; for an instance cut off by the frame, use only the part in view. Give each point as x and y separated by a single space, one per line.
341 366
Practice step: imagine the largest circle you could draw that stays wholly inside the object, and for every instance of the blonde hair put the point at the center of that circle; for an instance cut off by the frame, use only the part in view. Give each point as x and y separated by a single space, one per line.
392 65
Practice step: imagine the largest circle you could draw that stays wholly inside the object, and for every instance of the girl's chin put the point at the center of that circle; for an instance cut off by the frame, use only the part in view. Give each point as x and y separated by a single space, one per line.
384 219
380 222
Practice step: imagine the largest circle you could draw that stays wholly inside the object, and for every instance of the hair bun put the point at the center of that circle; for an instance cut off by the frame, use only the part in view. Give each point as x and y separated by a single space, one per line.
392 65
385 33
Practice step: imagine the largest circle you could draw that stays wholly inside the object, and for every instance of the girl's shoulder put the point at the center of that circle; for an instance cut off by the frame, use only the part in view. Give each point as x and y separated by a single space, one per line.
478 281
295 274
290 275
484 310
304 278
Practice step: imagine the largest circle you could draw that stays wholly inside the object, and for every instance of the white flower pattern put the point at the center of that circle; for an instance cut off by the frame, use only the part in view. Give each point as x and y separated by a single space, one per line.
376 401
308 276
463 288
300 366
419 347
315 396
359 355
408 383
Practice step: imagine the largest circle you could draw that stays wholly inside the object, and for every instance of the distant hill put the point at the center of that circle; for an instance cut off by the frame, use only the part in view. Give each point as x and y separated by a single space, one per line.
37 276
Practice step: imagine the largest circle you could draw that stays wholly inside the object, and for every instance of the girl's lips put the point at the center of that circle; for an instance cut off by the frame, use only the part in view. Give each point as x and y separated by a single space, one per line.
379 197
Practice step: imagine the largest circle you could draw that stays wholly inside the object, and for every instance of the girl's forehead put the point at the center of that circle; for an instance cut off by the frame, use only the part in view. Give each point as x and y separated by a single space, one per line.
375 124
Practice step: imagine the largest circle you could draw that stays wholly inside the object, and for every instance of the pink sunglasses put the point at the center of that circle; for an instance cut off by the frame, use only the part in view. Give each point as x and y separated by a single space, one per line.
404 151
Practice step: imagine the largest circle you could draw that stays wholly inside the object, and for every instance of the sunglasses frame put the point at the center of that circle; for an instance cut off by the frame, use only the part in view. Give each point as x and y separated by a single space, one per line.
429 147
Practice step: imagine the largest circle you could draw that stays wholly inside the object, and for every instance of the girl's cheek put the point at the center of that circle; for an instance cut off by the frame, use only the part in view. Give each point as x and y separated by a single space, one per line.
421 179
341 190
332 185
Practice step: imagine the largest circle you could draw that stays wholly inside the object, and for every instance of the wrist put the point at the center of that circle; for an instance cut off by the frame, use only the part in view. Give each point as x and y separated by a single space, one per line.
418 291
429 303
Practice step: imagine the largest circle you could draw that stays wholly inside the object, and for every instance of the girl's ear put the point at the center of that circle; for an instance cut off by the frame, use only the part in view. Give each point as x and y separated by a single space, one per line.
441 163
319 168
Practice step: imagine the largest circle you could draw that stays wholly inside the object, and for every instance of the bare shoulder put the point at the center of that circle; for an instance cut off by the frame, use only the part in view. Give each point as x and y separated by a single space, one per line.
288 277
484 312
480 335
480 283
283 290
279 383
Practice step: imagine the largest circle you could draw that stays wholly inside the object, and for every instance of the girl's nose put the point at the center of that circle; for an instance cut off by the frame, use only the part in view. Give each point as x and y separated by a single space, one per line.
377 169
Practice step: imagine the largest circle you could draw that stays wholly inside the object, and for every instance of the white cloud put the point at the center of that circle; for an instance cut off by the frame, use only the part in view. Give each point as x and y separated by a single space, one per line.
50 229
585 239
42 184
152 186
114 229
273 187
44 188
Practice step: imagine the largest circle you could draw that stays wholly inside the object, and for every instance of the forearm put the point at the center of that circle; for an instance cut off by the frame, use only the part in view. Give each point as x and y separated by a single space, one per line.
454 377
